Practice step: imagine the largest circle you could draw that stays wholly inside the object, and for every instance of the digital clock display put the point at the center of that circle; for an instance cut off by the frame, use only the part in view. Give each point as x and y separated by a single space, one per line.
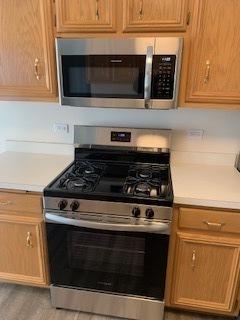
117 136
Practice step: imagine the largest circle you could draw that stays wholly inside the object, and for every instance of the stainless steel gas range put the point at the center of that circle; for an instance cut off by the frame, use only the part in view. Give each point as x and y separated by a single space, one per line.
108 219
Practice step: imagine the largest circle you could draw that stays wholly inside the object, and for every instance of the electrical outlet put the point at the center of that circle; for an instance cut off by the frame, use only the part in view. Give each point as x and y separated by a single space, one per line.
61 128
195 134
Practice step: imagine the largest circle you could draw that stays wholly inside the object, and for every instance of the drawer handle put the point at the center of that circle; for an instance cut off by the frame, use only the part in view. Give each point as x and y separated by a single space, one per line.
29 241
214 225
207 72
194 259
5 203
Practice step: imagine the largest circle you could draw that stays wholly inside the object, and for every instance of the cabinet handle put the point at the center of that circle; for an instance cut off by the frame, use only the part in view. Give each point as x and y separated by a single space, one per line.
207 72
36 64
97 10
140 13
193 259
29 241
5 203
214 226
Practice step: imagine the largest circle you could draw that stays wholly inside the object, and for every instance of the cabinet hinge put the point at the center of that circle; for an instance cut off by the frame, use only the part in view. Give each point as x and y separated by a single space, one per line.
188 18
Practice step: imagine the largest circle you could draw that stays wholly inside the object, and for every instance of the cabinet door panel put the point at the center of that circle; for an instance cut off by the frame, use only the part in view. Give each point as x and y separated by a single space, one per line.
154 15
21 253
214 73
206 273
27 68
85 15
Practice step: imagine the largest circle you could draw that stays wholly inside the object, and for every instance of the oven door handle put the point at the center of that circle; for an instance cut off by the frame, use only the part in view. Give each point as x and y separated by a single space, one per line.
151 227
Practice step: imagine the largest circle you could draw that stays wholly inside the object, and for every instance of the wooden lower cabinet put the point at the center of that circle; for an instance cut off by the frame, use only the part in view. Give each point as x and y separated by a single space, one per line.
22 252
203 270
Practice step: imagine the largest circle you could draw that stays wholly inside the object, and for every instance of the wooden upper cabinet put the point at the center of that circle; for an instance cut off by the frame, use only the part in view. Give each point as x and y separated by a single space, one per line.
86 15
155 15
27 65
214 50
206 273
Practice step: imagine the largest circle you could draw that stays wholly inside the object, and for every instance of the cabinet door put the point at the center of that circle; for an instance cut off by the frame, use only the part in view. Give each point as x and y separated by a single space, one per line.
27 65
155 15
22 258
213 64
86 15
206 273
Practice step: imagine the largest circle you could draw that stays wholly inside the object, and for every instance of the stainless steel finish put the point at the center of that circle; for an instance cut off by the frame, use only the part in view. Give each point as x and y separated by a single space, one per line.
153 139
136 46
128 307
104 46
103 222
107 208
148 77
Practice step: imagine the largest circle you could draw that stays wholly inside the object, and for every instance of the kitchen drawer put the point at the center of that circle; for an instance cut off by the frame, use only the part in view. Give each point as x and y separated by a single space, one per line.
212 220
24 202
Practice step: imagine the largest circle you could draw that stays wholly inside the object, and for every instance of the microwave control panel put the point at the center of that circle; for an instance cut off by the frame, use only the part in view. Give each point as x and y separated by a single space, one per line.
163 76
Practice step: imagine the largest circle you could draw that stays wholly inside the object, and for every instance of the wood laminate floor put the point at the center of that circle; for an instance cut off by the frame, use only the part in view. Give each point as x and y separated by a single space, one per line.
28 303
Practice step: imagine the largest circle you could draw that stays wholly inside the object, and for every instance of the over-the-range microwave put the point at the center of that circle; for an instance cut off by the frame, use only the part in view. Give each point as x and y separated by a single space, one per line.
122 73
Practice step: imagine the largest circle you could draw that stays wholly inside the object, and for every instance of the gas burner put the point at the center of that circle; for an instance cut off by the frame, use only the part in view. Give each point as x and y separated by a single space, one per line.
146 181
86 168
80 184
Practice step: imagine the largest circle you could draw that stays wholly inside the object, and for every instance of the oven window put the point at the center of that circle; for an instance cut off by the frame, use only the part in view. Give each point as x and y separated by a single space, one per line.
117 262
104 76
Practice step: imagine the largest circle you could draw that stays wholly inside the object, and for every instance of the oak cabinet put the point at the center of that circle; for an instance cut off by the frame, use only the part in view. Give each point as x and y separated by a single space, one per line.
22 240
213 76
155 15
86 15
204 261
206 272
27 65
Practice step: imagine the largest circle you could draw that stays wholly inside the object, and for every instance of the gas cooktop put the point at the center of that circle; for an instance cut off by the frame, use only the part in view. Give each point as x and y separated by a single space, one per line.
118 176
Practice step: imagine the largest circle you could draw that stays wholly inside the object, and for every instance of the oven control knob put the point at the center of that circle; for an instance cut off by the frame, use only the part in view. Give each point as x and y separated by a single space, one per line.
62 204
74 205
149 213
136 212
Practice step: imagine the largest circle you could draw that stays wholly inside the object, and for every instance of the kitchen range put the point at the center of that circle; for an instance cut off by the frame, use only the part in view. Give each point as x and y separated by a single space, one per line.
108 219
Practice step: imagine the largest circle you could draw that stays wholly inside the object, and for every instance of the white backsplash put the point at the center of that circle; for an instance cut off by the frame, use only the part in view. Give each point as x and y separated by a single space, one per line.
33 121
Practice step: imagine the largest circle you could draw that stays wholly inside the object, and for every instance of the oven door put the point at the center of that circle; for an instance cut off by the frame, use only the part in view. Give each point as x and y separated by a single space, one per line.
120 262
105 73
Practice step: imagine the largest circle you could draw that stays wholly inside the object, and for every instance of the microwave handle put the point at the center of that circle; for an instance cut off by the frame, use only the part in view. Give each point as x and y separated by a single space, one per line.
148 77
153 227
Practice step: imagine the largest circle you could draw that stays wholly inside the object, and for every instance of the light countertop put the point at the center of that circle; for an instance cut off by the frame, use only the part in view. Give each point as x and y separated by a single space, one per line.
193 184
30 171
206 185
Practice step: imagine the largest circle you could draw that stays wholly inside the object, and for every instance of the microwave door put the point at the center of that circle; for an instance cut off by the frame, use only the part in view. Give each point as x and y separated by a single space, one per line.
104 80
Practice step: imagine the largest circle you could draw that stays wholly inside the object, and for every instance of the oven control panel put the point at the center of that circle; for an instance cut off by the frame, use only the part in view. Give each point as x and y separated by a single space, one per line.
163 76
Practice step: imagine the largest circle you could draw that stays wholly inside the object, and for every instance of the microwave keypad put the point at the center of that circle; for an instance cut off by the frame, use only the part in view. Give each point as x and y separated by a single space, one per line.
163 76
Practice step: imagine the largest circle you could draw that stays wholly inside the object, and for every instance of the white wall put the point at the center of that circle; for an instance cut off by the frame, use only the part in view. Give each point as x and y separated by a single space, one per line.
34 122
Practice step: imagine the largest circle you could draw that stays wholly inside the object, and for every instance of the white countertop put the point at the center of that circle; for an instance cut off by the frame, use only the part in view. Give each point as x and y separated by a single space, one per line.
193 184
206 185
30 171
